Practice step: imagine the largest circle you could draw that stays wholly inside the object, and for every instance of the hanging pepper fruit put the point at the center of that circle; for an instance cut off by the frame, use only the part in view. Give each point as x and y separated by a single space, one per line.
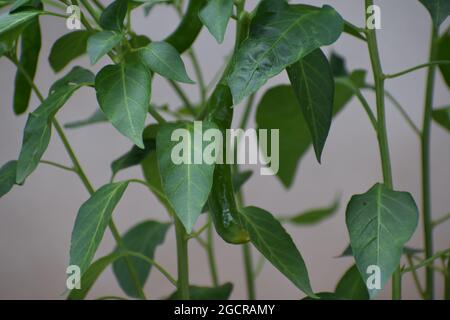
222 203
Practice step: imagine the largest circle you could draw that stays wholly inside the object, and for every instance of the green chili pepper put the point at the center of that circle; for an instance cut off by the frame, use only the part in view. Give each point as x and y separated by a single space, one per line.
188 29
222 203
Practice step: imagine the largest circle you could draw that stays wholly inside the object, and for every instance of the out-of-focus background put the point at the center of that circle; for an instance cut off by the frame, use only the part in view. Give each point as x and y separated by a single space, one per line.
36 220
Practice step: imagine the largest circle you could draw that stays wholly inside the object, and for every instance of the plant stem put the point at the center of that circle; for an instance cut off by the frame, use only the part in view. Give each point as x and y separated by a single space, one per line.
381 128
199 75
420 66
425 154
57 165
182 96
182 260
249 276
428 261
94 13
210 253
441 220
416 278
78 169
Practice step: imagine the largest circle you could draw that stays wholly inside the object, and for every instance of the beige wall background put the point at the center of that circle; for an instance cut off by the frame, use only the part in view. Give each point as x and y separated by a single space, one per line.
36 220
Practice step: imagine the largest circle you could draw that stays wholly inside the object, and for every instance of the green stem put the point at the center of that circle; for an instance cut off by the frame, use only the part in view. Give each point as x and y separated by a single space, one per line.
400 109
416 278
182 96
155 114
182 260
94 13
428 261
249 275
210 253
425 65
199 76
57 165
77 167
247 111
381 128
441 220
425 155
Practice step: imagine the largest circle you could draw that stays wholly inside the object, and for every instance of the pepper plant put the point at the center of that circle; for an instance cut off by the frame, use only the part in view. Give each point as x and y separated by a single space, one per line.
275 37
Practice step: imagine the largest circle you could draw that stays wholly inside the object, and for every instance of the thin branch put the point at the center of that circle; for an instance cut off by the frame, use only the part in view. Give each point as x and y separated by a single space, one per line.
416 278
425 65
428 261
440 220
182 96
58 165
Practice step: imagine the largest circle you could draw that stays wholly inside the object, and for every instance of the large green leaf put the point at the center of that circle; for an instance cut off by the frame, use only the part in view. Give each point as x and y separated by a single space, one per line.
313 216
442 116
113 16
91 275
438 9
406 250
279 36
67 48
9 22
380 222
186 185
143 238
97 117
7 177
101 43
215 16
444 54
30 46
164 59
274 243
221 292
91 222
37 130
313 83
278 109
133 157
351 286
123 92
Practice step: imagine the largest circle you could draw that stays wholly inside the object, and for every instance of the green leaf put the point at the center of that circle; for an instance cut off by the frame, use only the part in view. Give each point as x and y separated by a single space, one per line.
351 286
324 296
101 43
221 292
113 16
444 54
164 59
29 56
91 275
37 130
314 216
7 177
9 22
143 238
19 3
274 243
279 37
67 48
438 9
313 84
380 222
123 92
133 157
186 185
240 178
97 117
278 109
215 16
91 222
442 116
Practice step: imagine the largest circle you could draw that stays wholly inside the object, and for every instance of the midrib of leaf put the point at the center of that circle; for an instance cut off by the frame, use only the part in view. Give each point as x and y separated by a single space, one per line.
309 105
102 214
163 62
125 98
271 252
